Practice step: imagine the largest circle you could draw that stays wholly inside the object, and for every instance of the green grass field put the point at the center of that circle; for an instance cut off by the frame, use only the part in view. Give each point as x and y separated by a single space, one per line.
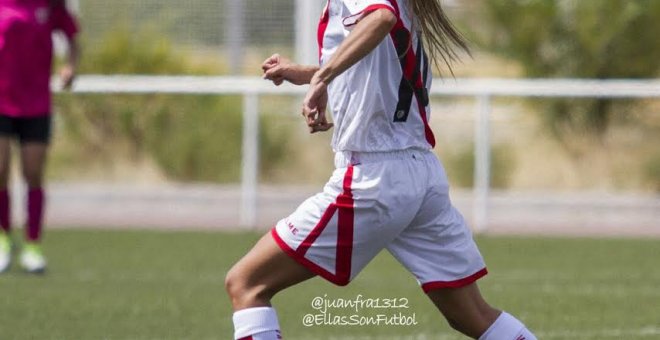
169 285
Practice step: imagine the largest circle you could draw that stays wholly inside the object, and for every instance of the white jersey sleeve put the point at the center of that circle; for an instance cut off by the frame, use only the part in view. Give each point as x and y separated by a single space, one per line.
356 9
359 6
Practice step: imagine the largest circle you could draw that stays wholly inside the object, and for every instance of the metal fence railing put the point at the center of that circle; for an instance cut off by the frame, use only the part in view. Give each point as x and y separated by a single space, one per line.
483 90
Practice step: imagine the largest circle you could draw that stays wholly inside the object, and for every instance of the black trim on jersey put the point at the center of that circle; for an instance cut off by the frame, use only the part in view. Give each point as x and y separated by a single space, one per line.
425 74
407 86
422 93
402 41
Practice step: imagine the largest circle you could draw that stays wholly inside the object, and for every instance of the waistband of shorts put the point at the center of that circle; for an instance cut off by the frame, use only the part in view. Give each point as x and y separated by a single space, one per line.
346 158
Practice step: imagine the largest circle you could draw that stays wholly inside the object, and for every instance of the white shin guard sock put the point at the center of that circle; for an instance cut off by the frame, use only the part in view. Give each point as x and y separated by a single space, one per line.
506 327
259 323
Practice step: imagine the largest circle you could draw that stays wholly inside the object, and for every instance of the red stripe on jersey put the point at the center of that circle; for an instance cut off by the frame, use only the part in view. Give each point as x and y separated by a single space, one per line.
323 26
430 137
247 338
396 7
411 71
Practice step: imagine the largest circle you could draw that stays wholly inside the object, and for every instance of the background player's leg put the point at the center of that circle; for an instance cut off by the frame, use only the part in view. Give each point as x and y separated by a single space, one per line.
33 161
253 281
5 212
5 160
467 312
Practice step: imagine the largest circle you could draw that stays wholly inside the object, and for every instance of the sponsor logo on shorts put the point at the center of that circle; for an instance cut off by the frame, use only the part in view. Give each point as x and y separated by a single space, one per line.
355 160
292 228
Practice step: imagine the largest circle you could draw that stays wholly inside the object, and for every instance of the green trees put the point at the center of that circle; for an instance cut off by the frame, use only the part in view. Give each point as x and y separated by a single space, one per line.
187 137
576 39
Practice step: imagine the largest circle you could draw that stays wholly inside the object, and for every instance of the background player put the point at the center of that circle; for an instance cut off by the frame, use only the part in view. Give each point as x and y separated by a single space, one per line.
388 190
26 48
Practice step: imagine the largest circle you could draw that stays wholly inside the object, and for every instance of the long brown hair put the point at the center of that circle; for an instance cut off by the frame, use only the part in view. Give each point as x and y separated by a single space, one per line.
438 33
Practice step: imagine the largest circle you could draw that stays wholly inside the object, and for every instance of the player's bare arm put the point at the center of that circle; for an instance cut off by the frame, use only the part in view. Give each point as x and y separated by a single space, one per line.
69 69
279 69
365 37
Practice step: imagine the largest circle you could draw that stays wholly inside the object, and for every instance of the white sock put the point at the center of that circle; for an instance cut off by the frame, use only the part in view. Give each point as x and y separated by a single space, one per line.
259 323
506 327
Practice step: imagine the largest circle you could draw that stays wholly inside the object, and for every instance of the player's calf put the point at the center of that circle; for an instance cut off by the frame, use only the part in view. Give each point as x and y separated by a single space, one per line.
253 281
507 327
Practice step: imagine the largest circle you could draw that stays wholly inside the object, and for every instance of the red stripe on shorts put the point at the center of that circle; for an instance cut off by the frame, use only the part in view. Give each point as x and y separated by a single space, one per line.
318 229
345 223
311 266
345 204
429 286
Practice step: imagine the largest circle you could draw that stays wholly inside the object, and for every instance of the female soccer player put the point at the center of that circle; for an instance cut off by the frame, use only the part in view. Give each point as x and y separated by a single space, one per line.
26 47
388 190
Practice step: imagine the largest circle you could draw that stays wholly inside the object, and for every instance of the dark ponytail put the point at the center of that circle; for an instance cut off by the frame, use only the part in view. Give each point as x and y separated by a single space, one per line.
439 34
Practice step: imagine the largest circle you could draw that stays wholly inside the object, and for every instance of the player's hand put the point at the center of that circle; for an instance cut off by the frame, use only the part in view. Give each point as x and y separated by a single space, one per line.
269 67
278 69
67 76
314 107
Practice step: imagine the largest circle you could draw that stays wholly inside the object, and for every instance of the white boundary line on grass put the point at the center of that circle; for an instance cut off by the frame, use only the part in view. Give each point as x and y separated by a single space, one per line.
617 333
599 334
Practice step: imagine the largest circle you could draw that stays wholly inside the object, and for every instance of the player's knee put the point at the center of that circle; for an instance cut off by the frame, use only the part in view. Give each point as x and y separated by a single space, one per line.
4 181
33 183
242 291
4 178
33 178
233 283
455 324
475 323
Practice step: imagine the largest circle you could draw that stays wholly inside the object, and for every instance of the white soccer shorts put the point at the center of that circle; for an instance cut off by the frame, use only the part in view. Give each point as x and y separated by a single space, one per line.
396 200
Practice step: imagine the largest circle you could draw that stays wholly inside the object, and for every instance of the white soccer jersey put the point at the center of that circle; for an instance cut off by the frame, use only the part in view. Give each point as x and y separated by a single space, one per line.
381 103
388 190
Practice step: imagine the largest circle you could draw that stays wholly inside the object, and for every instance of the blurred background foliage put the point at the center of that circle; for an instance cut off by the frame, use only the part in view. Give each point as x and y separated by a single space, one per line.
196 22
459 164
575 39
198 138
185 137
